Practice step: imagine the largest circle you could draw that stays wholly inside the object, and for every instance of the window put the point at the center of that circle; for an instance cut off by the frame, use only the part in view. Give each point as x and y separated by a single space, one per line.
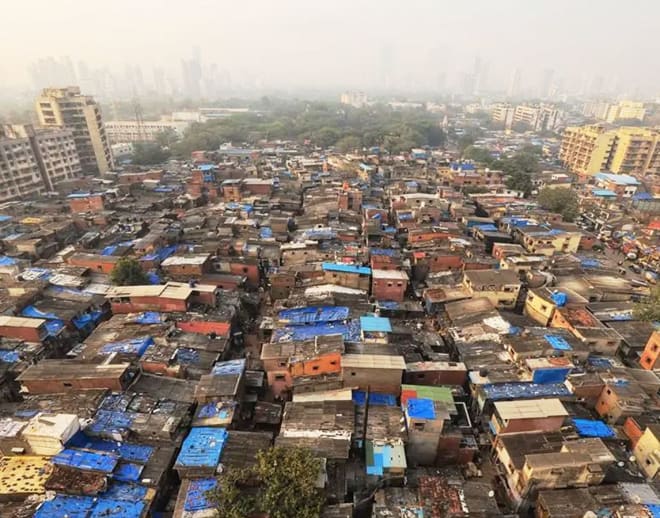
280 377
315 368
66 384
544 308
609 392
245 269
418 426
352 374
333 362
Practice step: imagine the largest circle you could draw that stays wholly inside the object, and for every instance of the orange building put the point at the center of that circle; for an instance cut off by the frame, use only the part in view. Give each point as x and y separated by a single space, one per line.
650 359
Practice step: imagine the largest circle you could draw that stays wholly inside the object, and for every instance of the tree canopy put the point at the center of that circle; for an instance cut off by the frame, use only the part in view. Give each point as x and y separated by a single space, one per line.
282 484
128 272
648 310
561 200
323 124
149 153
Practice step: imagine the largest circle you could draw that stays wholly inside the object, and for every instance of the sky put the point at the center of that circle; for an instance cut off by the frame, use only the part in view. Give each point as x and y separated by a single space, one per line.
345 44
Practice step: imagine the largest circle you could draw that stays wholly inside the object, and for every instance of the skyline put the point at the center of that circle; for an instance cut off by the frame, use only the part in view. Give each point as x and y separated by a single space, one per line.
423 46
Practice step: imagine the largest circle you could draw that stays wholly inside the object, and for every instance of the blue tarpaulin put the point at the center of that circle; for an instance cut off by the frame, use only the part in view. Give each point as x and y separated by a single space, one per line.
350 331
160 254
135 452
135 346
590 263
313 314
86 460
87 319
153 278
196 494
202 447
560 298
127 472
9 356
107 508
211 410
54 327
558 343
109 250
375 324
375 398
522 390
557 375
32 312
125 491
346 268
390 252
420 408
186 356
654 509
7 261
265 232
487 228
228 367
65 506
107 423
592 428
149 317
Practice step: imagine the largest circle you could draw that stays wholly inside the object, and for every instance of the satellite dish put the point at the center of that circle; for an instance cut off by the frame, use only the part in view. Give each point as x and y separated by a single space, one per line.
621 464
491 493
632 458
590 514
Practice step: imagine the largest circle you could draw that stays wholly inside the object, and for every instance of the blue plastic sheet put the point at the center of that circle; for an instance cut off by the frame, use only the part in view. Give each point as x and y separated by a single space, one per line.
550 375
202 447
314 314
7 261
87 319
377 399
228 367
149 317
32 312
127 472
420 408
375 324
265 232
85 460
153 278
211 410
186 356
135 452
558 343
54 327
346 268
65 506
107 508
592 428
125 491
196 495
9 356
107 423
560 298
135 346
109 250
522 390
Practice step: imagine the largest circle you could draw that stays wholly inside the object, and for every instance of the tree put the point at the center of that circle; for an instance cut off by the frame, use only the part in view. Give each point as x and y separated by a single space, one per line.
478 154
166 138
520 181
128 272
149 153
649 309
561 200
285 480
348 144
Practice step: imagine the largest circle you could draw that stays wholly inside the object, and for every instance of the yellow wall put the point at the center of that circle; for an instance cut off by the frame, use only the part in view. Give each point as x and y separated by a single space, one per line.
646 446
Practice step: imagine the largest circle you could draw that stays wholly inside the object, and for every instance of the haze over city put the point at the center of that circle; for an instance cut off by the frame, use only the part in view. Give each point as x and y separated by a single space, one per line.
447 47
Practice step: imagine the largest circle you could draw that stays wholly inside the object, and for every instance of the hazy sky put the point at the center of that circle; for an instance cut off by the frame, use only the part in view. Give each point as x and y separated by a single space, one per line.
344 43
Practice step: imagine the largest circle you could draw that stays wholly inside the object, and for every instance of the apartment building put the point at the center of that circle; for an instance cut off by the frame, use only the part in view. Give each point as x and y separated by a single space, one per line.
589 150
34 161
145 131
503 114
355 99
539 117
623 110
68 108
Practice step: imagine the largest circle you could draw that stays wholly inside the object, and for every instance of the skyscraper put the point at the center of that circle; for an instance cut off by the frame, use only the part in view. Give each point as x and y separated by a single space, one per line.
514 85
68 108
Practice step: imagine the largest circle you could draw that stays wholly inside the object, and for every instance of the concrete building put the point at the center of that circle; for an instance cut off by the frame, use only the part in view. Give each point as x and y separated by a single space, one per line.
541 117
34 161
146 131
68 108
503 113
355 99
647 451
625 110
588 150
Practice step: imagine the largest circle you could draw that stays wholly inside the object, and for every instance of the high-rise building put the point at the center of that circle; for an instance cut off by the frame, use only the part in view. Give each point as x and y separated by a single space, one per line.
626 110
626 150
34 161
514 85
539 117
68 108
503 113
355 99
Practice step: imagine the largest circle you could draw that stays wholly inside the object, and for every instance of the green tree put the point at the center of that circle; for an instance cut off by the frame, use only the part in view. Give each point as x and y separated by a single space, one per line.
520 181
149 153
348 143
478 154
561 200
648 310
285 480
128 272
166 138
